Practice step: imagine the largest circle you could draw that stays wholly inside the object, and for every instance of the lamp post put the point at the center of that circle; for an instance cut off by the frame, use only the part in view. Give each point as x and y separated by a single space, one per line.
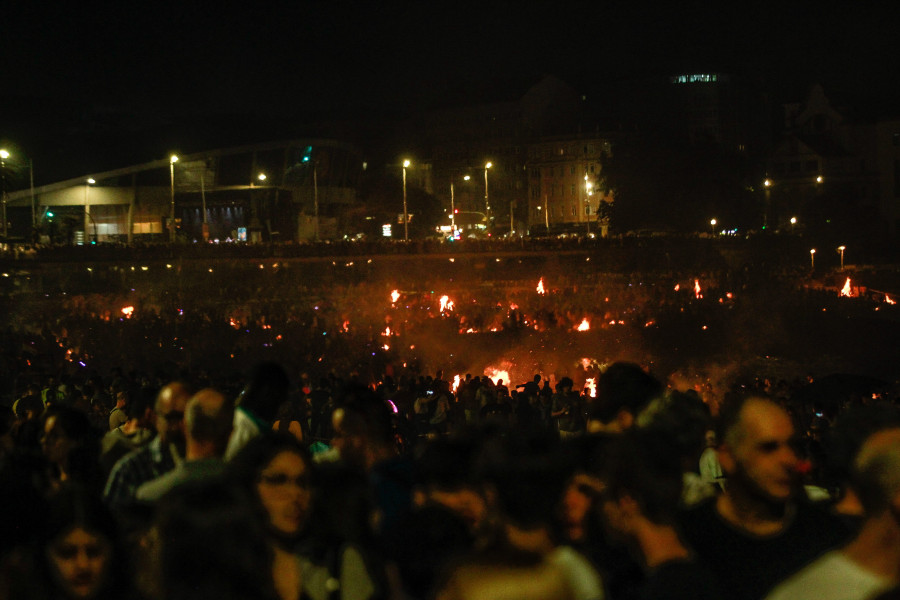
812 258
87 208
3 156
767 184
712 226
589 191
316 197
487 197
406 164
172 160
841 250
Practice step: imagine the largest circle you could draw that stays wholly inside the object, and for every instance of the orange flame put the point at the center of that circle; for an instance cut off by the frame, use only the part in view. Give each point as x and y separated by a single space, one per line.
395 295
540 287
889 300
697 289
845 291
234 323
387 332
591 384
677 286
496 374
585 325
128 311
446 304
346 326
455 385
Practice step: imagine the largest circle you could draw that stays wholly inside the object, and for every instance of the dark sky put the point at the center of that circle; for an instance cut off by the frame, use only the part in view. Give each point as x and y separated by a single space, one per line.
154 62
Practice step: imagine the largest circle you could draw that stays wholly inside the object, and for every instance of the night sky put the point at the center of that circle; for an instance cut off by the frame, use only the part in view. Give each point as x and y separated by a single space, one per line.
105 73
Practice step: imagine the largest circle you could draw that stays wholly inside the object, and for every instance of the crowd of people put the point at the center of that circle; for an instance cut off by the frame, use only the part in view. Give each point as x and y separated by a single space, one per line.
160 485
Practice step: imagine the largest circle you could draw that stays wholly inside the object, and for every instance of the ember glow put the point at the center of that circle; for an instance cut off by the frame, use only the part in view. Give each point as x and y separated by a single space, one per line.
395 295
889 300
128 311
697 293
540 287
845 291
584 326
386 332
591 384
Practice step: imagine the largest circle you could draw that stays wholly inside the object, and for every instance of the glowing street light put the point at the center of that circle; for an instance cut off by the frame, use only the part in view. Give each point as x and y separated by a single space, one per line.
3 156
712 226
87 207
406 164
793 223
819 179
812 258
172 160
261 177
841 250
487 200
589 190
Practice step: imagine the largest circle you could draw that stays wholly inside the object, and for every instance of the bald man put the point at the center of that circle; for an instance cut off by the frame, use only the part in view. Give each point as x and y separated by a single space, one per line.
870 564
208 423
762 529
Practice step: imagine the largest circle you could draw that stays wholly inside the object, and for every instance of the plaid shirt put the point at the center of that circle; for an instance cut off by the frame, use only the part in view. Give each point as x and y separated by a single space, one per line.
133 470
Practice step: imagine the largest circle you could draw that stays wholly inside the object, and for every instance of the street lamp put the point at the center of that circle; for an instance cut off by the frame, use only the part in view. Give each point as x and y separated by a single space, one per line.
589 190
172 160
712 226
767 183
841 250
87 208
261 177
793 223
487 200
3 156
812 258
406 164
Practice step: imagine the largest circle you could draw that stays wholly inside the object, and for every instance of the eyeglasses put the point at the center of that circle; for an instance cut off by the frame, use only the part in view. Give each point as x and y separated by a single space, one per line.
281 480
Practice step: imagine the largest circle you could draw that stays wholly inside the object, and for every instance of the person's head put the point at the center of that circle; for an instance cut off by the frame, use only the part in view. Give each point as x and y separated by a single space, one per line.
209 542
363 430
65 430
141 406
78 546
623 390
342 509
757 449
170 405
850 430
876 473
528 474
444 475
267 388
276 469
682 420
643 481
208 422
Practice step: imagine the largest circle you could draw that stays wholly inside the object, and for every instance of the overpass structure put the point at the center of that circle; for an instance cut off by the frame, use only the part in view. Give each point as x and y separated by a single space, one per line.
272 191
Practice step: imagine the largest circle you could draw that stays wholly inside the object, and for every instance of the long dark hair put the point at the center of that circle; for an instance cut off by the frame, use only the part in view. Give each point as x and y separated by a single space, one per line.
76 506
212 544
